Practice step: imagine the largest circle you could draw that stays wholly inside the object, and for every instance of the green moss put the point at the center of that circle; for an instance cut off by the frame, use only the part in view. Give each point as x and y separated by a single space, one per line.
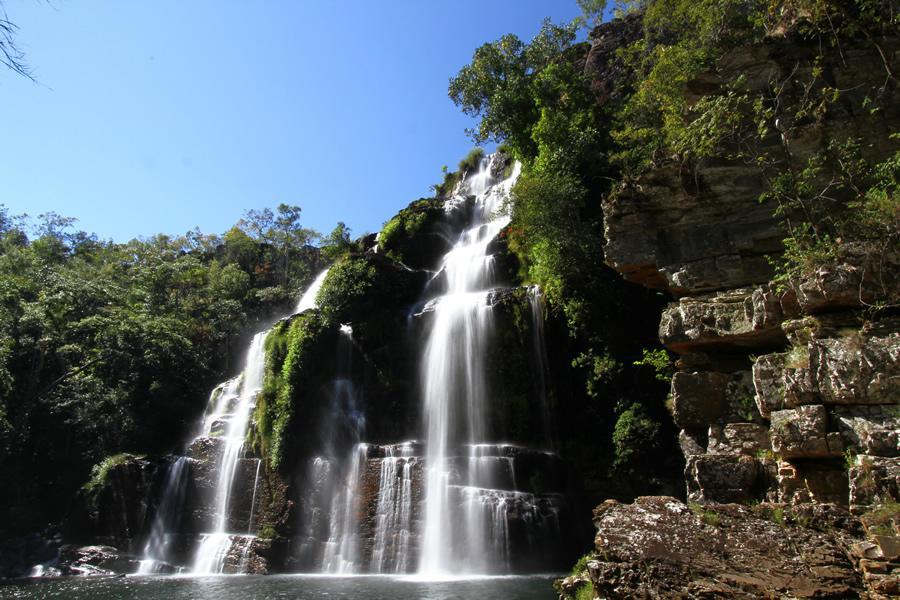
290 350
349 282
406 237
267 532
707 515
445 188
581 566
100 472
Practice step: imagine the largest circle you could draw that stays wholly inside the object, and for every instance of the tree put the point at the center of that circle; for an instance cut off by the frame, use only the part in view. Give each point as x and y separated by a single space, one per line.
10 54
337 242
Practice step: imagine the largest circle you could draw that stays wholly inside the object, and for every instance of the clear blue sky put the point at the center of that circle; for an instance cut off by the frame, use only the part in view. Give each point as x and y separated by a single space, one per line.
159 116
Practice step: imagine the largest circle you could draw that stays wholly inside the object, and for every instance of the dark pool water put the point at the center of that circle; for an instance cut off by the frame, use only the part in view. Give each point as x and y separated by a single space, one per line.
286 587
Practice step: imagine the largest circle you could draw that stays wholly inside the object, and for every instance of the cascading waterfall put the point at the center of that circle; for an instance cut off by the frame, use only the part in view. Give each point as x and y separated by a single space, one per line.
393 512
232 411
455 394
214 546
539 355
226 422
156 553
448 504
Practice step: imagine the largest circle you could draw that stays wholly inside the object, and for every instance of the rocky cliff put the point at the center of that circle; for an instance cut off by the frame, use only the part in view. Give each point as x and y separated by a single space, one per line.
787 396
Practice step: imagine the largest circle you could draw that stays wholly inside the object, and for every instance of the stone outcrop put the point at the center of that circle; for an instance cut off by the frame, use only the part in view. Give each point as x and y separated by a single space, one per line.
658 547
787 393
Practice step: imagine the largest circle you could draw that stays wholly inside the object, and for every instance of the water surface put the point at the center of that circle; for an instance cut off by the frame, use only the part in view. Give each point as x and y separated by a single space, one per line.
300 587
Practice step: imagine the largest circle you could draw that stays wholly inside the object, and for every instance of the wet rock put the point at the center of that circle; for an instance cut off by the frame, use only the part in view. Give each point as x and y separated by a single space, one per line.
118 511
96 560
419 235
658 548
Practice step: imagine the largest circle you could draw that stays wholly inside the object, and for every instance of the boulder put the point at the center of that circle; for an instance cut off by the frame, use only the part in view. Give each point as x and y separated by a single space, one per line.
723 478
874 480
698 399
873 430
803 433
739 438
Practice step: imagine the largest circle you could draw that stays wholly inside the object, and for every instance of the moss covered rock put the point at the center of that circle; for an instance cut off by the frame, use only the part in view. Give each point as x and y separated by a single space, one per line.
417 235
360 285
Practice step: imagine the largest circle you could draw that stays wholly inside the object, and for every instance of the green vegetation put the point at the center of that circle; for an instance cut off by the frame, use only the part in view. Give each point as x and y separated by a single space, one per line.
661 363
472 160
100 472
291 348
349 283
108 348
578 146
410 235
707 515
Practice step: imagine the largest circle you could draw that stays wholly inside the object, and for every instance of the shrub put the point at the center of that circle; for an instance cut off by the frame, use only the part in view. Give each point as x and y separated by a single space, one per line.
635 437
100 472
471 161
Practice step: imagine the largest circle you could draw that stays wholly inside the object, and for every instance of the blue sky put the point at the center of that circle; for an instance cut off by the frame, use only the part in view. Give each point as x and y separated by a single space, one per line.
159 116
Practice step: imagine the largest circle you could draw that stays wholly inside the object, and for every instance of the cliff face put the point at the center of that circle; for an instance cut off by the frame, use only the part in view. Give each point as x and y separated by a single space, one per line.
783 395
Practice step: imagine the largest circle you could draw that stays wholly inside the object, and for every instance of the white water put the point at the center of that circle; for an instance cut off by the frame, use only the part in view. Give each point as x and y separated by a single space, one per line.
454 389
342 548
216 544
165 520
393 520
308 299
233 403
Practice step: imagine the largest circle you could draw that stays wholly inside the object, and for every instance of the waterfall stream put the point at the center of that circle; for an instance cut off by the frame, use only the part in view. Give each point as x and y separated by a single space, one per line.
455 394
225 424
457 501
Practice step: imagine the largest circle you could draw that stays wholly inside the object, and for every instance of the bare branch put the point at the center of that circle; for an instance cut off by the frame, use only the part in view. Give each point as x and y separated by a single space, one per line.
10 54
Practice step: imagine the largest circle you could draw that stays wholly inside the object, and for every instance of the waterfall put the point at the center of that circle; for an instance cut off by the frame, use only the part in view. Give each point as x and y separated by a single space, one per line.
215 545
308 298
166 519
539 355
454 387
393 512
229 420
341 550
225 426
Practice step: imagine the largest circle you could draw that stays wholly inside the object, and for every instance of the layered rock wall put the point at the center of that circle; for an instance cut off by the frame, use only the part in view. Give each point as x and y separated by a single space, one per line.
788 395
